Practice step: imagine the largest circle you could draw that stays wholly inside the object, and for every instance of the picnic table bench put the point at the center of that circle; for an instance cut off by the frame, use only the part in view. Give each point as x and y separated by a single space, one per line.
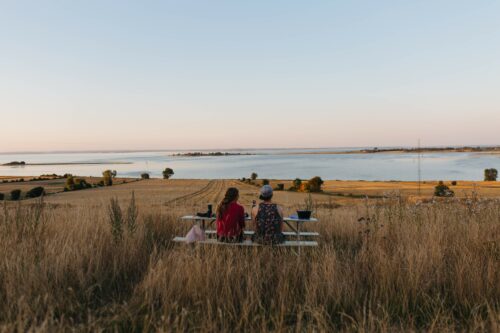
214 241
286 233
293 223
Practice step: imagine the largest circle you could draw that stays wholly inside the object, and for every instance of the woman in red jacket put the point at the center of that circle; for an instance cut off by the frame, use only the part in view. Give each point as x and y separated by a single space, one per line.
230 218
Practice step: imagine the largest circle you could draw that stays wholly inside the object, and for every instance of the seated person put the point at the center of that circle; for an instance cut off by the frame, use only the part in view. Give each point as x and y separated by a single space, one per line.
268 219
230 218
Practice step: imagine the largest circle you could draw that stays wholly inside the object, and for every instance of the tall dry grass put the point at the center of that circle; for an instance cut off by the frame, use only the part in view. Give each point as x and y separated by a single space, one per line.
381 267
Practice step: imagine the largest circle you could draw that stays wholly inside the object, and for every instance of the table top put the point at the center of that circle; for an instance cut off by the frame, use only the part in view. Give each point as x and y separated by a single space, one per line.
193 217
287 219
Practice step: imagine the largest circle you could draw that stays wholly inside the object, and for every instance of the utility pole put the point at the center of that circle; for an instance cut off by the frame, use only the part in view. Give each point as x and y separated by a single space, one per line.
419 169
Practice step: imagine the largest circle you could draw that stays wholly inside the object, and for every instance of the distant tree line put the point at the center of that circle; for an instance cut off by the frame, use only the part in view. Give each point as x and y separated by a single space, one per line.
16 194
313 185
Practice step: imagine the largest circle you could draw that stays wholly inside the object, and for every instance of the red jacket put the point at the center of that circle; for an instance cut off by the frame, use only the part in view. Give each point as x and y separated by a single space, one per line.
232 222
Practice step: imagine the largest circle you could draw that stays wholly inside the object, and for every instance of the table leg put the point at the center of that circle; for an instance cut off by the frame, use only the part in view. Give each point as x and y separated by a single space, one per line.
298 235
291 227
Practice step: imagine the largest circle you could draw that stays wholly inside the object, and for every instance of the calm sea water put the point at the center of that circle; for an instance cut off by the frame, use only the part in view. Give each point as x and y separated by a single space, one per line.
273 164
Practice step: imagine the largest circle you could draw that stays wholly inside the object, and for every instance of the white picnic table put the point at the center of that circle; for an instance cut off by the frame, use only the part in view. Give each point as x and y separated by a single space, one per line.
293 223
248 243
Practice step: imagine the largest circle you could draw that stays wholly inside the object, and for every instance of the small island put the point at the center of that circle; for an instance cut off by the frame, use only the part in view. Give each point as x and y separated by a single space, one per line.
15 163
210 154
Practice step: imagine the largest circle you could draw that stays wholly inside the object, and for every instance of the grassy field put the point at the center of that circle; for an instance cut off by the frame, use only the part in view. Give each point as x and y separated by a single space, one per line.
383 263
337 191
51 186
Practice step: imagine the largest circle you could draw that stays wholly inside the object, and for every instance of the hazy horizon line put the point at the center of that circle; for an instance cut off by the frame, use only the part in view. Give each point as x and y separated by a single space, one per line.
109 151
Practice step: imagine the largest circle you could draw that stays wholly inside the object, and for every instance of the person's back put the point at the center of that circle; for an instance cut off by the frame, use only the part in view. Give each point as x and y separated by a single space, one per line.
268 220
230 218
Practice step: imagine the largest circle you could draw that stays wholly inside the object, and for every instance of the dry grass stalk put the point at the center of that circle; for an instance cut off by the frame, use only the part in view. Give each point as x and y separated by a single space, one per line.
401 267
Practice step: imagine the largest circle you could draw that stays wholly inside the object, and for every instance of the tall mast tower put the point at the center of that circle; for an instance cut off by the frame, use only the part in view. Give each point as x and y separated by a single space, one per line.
419 157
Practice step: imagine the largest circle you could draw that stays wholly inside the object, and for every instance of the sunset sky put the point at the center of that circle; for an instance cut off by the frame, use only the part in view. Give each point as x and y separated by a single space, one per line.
89 75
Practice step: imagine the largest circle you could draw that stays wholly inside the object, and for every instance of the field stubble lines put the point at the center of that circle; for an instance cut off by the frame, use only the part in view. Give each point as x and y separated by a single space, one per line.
220 192
192 195
213 191
210 192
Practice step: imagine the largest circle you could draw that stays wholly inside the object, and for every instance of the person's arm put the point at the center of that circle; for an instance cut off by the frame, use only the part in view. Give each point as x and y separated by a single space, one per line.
255 210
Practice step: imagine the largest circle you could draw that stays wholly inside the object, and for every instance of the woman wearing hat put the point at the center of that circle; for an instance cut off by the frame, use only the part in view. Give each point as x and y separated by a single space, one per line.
268 219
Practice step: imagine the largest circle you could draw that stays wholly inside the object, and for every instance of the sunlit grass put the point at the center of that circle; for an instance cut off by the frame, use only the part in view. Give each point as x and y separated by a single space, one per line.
390 266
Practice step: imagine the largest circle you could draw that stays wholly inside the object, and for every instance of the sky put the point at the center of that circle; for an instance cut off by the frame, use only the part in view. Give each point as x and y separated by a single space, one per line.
125 75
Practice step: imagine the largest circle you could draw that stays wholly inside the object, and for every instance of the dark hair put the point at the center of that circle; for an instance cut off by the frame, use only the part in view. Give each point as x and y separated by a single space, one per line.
232 194
266 198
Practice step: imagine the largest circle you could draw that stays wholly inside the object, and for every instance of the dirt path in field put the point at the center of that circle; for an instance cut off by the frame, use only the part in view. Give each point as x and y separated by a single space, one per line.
191 196
213 192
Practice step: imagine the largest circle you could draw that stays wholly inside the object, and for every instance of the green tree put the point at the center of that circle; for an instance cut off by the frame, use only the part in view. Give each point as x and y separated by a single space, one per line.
315 184
145 175
107 177
441 190
490 175
167 173
81 184
254 176
74 184
35 192
297 183
70 183
15 195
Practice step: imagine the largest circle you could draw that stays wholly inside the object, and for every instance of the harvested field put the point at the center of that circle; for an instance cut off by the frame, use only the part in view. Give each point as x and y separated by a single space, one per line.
51 186
189 196
382 264
406 189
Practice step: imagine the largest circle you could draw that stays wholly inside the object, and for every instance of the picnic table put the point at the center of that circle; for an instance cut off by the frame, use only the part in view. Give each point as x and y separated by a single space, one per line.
294 223
289 221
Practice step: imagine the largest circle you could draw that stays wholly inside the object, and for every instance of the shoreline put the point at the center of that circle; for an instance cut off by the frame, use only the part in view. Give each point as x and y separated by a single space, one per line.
64 163
343 192
477 150
253 149
274 180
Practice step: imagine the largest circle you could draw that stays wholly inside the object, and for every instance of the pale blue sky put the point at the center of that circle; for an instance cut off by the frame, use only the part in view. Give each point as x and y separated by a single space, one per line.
78 75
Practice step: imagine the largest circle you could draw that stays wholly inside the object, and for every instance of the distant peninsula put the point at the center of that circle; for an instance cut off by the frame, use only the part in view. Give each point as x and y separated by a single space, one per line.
210 154
15 163
431 150
466 149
